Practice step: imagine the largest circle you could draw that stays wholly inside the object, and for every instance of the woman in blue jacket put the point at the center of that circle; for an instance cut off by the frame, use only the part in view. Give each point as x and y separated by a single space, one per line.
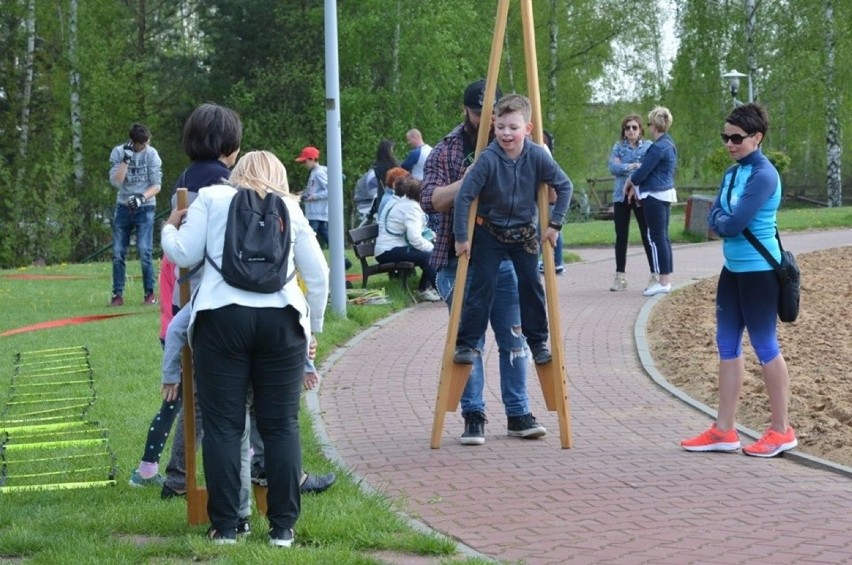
625 157
652 186
747 293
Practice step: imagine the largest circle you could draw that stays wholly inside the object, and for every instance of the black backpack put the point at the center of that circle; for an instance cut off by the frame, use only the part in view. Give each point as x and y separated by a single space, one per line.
257 243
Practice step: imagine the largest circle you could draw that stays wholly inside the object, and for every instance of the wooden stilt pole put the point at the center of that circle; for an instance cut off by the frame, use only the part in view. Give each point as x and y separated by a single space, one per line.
454 376
552 376
196 496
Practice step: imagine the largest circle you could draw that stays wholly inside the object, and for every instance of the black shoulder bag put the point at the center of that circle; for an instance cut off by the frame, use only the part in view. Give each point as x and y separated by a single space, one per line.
787 270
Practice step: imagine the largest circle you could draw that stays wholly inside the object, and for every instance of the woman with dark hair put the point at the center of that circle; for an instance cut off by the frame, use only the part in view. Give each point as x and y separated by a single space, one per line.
748 288
625 157
401 235
385 161
652 187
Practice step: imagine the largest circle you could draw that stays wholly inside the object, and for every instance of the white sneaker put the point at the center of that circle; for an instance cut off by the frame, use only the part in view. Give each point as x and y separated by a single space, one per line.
657 288
655 278
430 295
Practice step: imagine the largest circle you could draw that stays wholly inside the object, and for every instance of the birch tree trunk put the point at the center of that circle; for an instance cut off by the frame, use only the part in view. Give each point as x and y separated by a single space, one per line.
28 84
395 51
751 21
832 135
553 28
510 65
76 119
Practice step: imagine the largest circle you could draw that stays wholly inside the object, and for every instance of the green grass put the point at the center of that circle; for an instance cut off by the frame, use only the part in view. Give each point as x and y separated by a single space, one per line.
120 524
601 232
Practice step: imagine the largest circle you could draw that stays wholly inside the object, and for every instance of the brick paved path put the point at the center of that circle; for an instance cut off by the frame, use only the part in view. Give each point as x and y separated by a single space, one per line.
626 492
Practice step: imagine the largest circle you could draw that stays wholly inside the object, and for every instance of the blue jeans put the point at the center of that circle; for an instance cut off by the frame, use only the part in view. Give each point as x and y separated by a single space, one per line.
122 224
487 254
320 228
505 319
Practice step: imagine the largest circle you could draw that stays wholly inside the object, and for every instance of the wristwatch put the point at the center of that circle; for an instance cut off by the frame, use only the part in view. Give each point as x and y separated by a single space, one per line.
555 226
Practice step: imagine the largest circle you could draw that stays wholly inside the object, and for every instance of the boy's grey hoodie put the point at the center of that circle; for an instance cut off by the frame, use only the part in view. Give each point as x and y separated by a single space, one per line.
507 188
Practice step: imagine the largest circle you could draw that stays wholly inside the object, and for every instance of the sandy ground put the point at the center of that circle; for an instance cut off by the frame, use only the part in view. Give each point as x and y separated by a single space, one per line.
817 347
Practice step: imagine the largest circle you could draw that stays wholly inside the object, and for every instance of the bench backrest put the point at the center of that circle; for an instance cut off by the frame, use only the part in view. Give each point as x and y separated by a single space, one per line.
363 240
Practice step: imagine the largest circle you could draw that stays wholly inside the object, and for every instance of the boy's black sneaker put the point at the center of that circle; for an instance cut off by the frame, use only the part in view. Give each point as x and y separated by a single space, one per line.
222 537
464 355
541 354
525 426
474 428
281 537
167 492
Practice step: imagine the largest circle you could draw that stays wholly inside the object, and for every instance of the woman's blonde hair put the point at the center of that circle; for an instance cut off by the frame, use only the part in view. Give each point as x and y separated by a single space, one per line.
661 117
262 172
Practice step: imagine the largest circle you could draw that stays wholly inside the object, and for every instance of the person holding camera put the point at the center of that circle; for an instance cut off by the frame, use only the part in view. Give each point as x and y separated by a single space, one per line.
136 171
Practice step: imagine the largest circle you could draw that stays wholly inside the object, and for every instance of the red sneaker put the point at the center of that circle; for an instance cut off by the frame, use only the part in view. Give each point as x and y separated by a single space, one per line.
713 440
772 443
149 300
117 300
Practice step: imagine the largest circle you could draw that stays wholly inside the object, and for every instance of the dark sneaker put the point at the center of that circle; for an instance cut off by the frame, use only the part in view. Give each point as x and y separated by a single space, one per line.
243 527
281 537
317 483
541 354
464 355
474 428
560 269
117 300
150 299
221 537
525 426
168 492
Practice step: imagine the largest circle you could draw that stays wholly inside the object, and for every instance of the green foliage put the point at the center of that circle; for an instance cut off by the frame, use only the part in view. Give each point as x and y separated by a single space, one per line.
780 159
401 65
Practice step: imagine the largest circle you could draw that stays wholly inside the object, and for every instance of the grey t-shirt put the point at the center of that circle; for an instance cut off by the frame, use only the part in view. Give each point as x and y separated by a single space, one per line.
144 170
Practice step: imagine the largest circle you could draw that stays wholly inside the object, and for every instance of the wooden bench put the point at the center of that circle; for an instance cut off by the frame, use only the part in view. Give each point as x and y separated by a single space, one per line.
363 242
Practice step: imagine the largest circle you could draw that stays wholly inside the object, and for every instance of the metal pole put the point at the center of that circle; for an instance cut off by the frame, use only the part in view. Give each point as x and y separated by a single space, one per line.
336 224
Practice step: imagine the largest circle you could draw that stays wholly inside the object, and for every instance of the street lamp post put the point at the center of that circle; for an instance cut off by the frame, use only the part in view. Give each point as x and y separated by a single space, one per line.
734 77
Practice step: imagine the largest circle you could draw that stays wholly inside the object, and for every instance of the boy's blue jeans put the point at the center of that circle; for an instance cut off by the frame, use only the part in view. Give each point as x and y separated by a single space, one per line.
505 317
122 224
487 254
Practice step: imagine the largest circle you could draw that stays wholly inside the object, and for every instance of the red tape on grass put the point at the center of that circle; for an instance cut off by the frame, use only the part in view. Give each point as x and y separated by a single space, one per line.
63 322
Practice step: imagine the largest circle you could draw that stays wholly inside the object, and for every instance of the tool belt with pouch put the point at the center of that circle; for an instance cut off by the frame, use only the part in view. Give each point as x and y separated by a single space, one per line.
523 235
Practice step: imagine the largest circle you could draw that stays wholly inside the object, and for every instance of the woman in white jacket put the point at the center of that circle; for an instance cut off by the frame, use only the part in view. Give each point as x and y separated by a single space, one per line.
241 339
403 235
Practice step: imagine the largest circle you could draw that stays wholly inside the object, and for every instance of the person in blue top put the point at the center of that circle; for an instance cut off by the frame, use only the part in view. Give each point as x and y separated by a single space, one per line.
652 187
625 157
748 288
506 178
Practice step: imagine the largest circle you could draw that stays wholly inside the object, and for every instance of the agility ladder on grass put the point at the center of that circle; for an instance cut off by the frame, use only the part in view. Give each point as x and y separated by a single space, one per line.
46 443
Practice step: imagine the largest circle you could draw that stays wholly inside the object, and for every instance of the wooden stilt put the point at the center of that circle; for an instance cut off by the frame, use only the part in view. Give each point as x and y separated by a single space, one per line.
453 376
552 376
196 496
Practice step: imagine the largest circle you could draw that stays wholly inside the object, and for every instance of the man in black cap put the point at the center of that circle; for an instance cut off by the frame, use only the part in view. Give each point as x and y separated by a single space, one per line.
442 175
